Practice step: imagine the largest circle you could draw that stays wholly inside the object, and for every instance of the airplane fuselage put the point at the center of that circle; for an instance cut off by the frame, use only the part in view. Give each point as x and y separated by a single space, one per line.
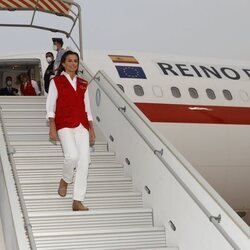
203 109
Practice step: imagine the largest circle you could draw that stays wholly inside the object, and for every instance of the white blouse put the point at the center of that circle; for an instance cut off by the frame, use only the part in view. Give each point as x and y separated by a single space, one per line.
53 94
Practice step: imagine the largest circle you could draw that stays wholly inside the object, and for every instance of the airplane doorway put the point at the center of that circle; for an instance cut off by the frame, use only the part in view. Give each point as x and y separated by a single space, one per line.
14 67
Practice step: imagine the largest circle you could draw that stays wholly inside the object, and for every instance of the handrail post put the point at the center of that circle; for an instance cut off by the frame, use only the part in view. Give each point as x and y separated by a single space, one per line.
80 32
80 27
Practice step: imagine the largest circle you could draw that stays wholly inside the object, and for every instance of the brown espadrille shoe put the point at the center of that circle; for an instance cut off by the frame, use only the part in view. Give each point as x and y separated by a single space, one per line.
78 206
62 190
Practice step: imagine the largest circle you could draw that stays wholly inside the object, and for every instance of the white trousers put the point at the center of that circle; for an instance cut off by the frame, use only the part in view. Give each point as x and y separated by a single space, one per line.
75 146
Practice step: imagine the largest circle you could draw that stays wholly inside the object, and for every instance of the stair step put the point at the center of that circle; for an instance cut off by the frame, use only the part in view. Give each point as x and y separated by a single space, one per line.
28 137
94 178
29 109
23 99
59 161
56 150
58 166
122 239
28 129
93 219
93 201
43 143
15 105
31 137
15 122
32 155
50 147
58 154
107 185
55 174
27 113
45 159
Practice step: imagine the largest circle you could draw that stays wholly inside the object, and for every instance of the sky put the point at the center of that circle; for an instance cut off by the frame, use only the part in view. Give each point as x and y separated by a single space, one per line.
195 28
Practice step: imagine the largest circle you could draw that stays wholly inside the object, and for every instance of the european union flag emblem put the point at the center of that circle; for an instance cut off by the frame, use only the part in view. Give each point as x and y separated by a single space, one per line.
131 72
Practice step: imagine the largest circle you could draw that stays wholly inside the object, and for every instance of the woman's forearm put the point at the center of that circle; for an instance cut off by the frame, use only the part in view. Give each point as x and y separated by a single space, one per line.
52 129
91 133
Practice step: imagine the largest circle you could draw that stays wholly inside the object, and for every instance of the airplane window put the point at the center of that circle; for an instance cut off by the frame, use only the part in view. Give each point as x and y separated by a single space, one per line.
227 94
210 93
157 90
176 92
121 87
244 95
193 93
138 90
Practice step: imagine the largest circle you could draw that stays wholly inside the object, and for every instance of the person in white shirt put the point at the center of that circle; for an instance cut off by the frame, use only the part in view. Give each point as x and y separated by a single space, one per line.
58 46
70 120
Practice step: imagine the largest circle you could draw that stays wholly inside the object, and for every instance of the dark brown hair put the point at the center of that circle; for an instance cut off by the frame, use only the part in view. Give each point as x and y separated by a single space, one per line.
63 59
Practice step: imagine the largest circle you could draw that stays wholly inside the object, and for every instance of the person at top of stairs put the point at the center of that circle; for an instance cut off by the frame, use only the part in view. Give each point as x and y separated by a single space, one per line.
28 87
70 120
8 89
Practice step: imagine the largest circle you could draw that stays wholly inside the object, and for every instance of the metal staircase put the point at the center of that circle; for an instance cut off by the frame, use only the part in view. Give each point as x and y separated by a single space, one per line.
117 218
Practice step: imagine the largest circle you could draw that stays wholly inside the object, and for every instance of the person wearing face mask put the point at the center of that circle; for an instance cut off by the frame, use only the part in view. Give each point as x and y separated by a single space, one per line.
49 71
28 87
8 90
58 46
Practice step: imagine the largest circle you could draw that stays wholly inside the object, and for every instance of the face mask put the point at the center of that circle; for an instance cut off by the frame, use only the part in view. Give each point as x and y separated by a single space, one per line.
49 59
9 83
54 47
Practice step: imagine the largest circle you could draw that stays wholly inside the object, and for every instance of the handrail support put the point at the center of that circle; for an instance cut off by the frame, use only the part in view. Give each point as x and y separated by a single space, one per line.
217 218
11 151
122 109
158 152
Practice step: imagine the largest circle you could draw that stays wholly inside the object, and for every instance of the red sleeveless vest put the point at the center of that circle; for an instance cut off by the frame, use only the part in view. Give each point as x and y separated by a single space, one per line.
70 106
28 90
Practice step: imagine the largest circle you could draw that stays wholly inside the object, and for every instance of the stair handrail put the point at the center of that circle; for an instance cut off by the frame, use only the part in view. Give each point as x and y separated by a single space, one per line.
11 151
225 207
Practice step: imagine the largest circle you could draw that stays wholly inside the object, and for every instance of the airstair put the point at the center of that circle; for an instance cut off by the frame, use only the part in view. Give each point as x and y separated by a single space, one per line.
142 193
117 218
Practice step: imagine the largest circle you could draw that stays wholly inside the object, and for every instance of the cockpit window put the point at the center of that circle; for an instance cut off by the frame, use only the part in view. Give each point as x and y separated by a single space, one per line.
176 92
138 90
210 94
193 93
227 94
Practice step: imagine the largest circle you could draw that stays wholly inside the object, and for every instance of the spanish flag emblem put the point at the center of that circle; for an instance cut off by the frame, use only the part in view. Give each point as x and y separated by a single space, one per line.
123 59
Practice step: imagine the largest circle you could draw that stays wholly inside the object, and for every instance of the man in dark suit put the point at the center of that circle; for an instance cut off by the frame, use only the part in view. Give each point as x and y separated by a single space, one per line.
8 90
49 71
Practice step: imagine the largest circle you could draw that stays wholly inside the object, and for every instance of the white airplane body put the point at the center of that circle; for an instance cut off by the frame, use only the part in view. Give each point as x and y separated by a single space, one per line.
211 129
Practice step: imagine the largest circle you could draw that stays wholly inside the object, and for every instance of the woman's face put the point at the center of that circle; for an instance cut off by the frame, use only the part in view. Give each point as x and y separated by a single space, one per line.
23 78
71 64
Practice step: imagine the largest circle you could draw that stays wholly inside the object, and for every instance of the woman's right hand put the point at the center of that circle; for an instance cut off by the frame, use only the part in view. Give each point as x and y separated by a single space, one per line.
52 130
53 134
